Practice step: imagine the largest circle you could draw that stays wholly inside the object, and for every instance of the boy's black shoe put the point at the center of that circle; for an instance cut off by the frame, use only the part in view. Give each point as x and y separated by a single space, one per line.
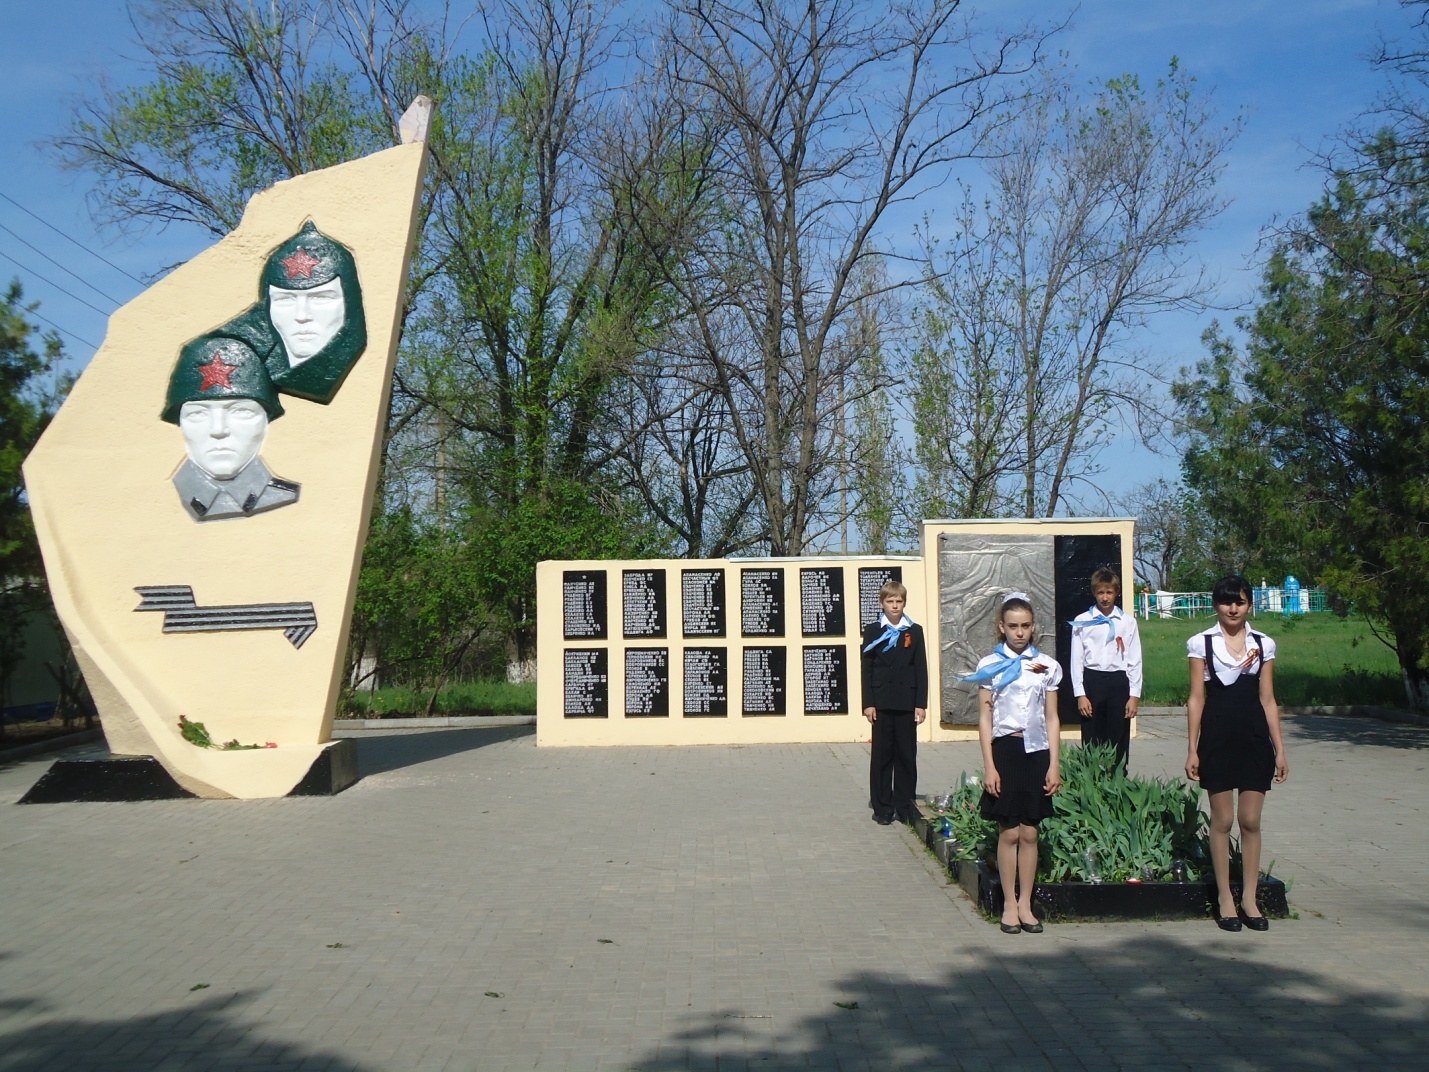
883 820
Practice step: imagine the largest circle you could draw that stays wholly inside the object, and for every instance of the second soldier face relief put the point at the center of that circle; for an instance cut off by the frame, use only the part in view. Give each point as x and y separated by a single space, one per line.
307 320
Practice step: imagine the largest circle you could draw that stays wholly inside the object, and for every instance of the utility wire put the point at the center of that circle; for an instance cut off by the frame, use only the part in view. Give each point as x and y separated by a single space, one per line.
75 241
61 267
51 282
51 323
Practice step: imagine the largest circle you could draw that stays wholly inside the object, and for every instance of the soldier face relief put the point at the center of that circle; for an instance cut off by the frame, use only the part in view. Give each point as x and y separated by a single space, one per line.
223 436
307 320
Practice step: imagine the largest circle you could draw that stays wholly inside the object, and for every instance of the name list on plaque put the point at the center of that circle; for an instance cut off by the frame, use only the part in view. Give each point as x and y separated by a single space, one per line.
821 601
643 592
825 680
583 603
764 674
702 602
870 580
587 681
647 682
761 602
706 682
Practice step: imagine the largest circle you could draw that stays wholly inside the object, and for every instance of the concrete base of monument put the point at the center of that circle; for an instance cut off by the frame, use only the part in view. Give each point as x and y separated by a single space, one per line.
120 779
1086 901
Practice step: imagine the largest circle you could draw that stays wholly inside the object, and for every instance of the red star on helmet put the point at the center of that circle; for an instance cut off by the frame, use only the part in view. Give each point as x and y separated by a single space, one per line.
216 373
300 264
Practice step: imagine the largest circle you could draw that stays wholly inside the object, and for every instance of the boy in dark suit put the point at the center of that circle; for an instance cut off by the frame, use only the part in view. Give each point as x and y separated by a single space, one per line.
895 702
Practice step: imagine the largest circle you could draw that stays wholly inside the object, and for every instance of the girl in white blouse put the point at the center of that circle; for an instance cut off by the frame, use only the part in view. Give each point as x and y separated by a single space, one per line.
1233 741
1019 731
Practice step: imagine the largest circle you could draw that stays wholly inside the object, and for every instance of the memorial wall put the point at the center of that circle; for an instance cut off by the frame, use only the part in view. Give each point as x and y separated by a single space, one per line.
681 651
713 651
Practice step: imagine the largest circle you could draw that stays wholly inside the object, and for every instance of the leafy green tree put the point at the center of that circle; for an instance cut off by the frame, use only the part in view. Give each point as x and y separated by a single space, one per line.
1312 443
27 401
418 620
1030 353
241 95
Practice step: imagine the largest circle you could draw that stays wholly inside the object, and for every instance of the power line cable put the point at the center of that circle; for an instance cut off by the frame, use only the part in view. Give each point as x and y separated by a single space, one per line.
51 282
61 267
75 241
51 323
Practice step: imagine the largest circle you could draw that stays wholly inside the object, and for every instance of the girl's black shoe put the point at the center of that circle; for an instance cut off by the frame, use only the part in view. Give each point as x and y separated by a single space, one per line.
1255 923
1226 923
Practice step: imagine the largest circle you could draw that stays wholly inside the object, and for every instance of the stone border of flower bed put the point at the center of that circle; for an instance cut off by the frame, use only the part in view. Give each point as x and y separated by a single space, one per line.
1059 901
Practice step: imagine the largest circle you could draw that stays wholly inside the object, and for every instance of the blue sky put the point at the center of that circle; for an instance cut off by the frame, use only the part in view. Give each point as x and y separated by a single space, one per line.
1296 69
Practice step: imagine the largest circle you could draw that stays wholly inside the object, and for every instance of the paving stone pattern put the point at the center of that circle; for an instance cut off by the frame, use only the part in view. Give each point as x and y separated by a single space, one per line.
476 903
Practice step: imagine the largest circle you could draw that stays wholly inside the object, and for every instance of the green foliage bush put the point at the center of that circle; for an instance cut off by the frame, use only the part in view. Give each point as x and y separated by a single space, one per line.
456 698
1106 826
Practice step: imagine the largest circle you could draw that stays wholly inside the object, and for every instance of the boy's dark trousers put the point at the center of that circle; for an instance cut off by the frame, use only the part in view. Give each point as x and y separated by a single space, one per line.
893 767
1108 691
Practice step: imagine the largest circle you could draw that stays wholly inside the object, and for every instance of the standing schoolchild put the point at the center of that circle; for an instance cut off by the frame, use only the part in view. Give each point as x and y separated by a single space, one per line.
1106 667
895 702
1019 731
1234 745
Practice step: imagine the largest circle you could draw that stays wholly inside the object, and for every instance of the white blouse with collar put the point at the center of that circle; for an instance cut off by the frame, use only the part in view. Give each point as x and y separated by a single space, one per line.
1225 667
1022 706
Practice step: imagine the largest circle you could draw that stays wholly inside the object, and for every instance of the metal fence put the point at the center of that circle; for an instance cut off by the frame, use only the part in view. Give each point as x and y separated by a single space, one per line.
1267 600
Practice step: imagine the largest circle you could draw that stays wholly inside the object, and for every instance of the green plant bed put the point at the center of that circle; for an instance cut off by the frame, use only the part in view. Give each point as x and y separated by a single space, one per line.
1106 826
1114 900
1116 846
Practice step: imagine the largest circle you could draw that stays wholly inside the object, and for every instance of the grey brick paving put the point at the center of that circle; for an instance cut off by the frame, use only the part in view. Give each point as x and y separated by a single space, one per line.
474 903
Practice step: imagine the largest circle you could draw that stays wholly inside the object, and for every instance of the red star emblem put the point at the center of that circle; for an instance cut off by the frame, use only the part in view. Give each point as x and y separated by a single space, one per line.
300 264
216 373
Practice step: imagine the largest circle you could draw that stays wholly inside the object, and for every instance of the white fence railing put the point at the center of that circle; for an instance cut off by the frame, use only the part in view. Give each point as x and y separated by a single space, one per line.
1267 600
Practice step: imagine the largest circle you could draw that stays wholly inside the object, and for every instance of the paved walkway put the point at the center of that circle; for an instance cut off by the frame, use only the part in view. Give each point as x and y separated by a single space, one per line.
476 903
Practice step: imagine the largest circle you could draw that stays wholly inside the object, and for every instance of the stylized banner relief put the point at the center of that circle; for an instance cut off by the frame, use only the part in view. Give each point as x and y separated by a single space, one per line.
228 431
182 615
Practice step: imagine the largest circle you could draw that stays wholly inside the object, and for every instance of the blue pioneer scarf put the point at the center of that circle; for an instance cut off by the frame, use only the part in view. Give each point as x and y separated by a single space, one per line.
1005 671
891 633
1098 618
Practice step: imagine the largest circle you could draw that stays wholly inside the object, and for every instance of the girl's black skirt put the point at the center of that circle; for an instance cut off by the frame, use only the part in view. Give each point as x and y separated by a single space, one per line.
1024 798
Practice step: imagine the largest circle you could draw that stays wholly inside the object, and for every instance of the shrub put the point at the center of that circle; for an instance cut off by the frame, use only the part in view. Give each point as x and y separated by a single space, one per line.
1106 825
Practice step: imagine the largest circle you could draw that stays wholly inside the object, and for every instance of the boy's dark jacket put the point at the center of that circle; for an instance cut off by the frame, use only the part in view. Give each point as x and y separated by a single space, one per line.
895 680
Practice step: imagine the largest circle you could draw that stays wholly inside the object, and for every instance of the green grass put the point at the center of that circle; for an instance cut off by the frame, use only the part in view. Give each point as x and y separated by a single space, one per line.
458 698
1320 660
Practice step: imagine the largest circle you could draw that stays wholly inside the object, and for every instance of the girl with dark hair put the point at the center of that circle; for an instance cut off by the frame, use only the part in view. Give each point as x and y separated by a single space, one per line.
1019 731
1234 744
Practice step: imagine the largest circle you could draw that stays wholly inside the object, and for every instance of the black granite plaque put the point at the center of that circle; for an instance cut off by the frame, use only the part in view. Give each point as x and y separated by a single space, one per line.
870 580
706 682
764 676
583 604
702 602
587 684
1077 558
647 682
825 680
821 601
643 592
761 597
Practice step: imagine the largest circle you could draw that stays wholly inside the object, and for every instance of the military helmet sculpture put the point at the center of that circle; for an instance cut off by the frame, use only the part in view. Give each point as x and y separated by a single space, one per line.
213 367
308 322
